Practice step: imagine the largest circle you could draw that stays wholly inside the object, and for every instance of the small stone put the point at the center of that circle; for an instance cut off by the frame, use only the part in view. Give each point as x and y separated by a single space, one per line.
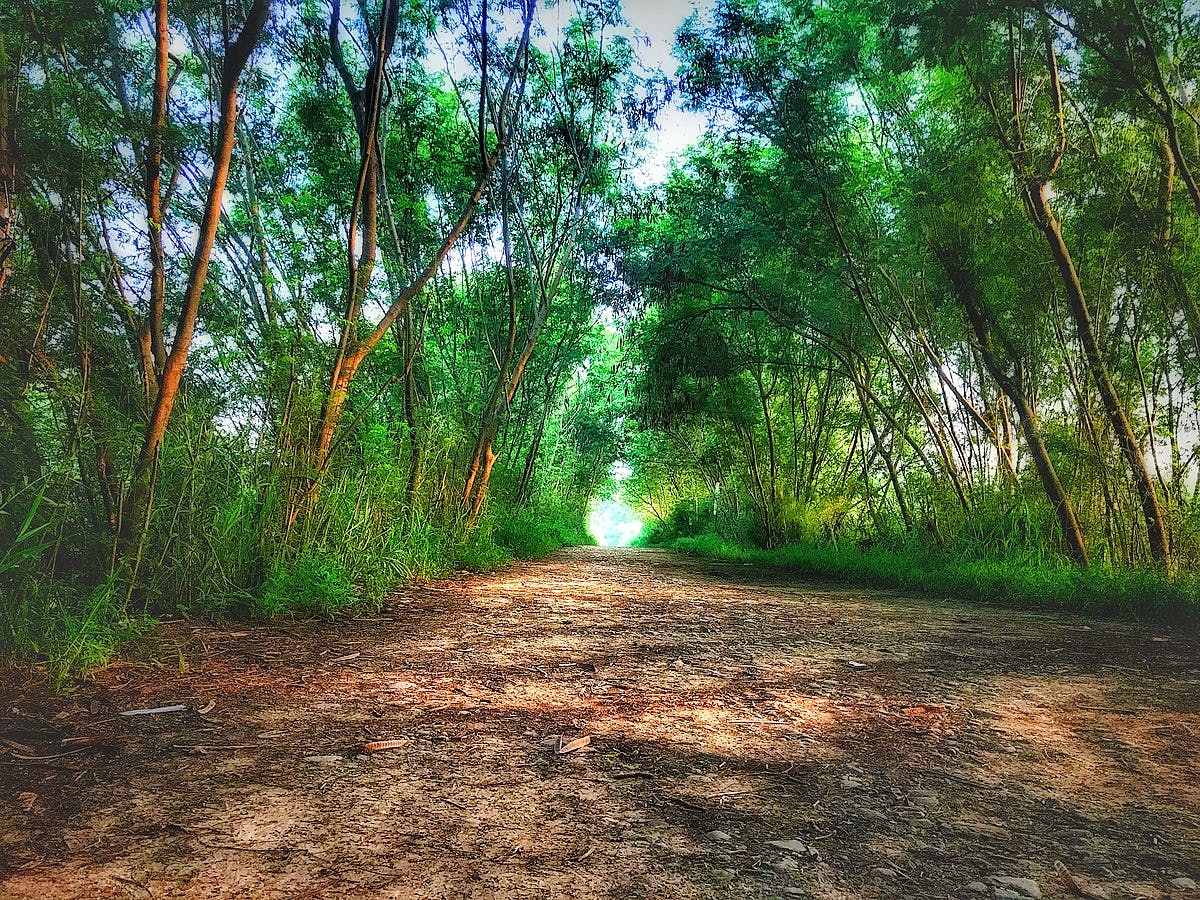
849 781
1006 894
331 759
719 836
529 732
1024 887
724 876
787 864
977 887
883 872
1183 884
791 846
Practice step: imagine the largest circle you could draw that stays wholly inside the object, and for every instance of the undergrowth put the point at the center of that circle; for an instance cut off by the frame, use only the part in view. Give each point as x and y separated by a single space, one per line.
344 560
1022 582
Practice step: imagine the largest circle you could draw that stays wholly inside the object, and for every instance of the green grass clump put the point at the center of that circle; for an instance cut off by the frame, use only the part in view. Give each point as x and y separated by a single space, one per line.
531 534
1030 583
69 627
312 583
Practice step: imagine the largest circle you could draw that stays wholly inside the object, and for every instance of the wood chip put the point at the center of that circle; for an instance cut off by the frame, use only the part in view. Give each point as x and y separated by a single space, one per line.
376 746
155 710
577 744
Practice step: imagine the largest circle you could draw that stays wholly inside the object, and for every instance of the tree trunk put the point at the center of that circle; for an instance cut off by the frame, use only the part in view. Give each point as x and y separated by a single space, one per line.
8 161
964 290
1043 217
134 507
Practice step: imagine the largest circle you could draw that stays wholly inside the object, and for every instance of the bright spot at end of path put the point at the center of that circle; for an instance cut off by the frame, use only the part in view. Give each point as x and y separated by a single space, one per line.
613 524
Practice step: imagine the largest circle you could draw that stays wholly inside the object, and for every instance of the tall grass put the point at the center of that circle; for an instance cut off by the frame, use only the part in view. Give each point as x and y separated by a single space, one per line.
215 548
1015 581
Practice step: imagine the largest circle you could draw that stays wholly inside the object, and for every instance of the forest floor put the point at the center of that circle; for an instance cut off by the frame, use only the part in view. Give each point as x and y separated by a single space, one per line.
750 736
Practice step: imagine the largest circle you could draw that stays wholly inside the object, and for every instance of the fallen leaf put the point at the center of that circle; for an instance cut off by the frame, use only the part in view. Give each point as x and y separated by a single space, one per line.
577 744
207 707
28 800
854 664
349 656
376 746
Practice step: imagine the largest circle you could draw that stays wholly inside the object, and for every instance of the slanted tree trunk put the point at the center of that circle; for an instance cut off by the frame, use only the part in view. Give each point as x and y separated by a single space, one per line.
1013 388
134 509
353 349
1034 190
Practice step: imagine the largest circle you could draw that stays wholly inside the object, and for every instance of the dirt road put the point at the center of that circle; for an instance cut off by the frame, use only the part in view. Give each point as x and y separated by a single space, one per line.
750 736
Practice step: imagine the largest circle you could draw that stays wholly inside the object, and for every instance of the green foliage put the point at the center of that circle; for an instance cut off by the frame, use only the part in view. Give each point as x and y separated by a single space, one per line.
533 533
1019 582
66 626
313 583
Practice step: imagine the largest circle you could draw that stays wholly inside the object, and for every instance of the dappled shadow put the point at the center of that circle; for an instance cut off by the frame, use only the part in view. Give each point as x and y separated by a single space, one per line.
913 746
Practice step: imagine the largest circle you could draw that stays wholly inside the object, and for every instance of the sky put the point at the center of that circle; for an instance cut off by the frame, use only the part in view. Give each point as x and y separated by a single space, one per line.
655 21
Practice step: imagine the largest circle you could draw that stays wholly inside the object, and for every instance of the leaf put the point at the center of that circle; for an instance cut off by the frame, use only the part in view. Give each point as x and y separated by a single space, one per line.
376 746
207 707
577 744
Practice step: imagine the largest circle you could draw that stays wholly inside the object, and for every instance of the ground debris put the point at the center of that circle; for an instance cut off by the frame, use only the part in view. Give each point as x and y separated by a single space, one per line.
973 744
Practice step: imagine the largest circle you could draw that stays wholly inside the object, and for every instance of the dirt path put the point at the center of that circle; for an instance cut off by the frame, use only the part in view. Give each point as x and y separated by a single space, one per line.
903 748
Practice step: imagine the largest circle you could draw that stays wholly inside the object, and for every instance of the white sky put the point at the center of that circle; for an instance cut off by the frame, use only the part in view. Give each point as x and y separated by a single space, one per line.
657 21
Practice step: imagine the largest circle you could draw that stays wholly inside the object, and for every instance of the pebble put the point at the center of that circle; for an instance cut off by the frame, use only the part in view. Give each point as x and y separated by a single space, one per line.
787 864
849 781
1021 887
884 872
719 836
977 887
331 759
1183 884
791 846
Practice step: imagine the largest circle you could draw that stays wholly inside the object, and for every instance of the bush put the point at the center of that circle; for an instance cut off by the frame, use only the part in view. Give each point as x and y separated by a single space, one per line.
533 532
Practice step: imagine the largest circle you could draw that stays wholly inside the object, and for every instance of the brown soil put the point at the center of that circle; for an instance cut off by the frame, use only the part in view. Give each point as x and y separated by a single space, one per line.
912 746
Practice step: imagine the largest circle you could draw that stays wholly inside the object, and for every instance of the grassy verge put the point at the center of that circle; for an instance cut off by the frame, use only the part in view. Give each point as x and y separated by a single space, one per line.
69 627
1134 594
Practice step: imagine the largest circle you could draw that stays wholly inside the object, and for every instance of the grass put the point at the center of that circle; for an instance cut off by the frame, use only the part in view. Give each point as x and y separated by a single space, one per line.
531 534
1026 583
71 626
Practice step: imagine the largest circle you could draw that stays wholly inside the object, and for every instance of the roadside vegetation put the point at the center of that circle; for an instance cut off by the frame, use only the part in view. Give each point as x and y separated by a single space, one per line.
270 346
919 310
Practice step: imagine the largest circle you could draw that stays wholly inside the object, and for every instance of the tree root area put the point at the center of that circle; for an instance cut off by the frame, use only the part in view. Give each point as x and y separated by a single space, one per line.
748 735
